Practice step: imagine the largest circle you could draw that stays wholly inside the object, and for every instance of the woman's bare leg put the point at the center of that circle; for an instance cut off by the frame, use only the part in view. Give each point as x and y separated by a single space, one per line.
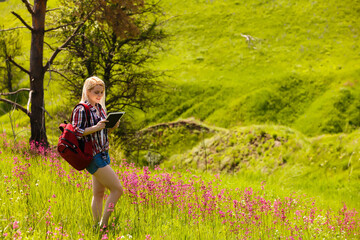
108 178
97 200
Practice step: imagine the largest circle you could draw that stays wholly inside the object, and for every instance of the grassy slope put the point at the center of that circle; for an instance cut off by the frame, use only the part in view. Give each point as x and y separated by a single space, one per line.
303 53
300 70
322 166
326 166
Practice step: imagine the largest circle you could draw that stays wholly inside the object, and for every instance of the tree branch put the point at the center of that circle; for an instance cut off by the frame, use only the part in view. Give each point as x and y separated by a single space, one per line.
56 71
46 112
28 6
16 105
55 28
52 9
22 20
29 100
47 44
58 50
11 93
21 68
10 29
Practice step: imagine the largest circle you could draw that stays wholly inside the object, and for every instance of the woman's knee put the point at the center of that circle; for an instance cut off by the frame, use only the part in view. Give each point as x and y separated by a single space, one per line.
117 190
109 179
99 194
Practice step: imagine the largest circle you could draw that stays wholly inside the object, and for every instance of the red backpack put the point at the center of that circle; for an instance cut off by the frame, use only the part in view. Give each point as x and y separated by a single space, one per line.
77 153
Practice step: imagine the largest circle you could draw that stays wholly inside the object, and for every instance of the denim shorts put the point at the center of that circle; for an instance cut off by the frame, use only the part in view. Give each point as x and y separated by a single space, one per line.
100 160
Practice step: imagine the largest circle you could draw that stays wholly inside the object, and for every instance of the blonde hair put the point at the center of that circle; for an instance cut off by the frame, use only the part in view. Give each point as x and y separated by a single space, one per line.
89 84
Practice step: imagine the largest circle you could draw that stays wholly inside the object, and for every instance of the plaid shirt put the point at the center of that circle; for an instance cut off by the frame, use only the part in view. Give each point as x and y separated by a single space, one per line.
99 139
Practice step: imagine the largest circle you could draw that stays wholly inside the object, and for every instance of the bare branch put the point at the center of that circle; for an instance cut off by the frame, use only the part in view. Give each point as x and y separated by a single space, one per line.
11 93
16 105
21 68
22 20
10 29
46 112
55 28
28 6
29 100
66 42
52 9
56 71
49 46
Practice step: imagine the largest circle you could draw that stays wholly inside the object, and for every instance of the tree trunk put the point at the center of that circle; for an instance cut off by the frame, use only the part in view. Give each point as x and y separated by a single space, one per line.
37 117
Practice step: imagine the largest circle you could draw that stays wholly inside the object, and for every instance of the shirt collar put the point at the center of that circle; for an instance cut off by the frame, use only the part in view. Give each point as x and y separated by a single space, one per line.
91 107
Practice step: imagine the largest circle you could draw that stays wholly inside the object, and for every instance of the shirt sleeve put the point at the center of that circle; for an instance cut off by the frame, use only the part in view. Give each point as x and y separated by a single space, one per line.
79 120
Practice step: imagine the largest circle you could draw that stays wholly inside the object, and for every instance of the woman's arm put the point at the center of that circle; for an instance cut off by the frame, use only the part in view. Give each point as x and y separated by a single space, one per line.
99 126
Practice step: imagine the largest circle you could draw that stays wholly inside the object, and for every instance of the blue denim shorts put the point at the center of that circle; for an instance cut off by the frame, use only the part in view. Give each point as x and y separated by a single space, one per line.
100 160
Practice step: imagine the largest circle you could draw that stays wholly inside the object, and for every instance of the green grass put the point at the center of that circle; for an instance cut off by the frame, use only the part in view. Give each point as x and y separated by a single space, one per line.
302 51
156 144
43 198
283 157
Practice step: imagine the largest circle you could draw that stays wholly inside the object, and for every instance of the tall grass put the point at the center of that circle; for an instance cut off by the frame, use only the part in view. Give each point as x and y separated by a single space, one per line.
44 198
326 166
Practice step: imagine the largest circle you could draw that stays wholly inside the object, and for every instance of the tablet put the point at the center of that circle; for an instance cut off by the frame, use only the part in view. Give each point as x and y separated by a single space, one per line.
113 118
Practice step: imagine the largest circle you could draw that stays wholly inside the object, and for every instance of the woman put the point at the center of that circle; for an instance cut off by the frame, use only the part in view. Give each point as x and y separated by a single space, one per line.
103 176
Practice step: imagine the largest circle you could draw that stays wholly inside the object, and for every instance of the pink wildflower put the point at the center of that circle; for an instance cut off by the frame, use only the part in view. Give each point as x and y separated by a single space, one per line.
111 207
17 234
104 237
15 225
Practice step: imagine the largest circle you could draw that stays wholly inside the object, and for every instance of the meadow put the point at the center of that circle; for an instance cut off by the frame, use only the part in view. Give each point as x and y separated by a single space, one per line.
43 198
276 155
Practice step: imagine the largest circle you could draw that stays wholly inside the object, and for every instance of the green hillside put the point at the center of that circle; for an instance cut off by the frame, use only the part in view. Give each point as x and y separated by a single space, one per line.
299 68
234 63
283 156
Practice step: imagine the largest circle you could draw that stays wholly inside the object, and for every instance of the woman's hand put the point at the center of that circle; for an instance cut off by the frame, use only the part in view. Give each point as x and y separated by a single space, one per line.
101 125
116 126
98 127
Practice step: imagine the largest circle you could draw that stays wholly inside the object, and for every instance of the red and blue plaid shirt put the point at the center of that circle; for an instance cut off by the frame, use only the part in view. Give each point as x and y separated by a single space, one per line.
99 139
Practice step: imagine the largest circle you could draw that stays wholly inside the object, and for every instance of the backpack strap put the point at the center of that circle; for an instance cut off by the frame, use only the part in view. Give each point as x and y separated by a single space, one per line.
87 111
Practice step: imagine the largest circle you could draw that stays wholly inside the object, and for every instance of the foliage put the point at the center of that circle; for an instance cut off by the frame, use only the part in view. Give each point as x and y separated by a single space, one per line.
10 76
134 88
9 47
117 49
